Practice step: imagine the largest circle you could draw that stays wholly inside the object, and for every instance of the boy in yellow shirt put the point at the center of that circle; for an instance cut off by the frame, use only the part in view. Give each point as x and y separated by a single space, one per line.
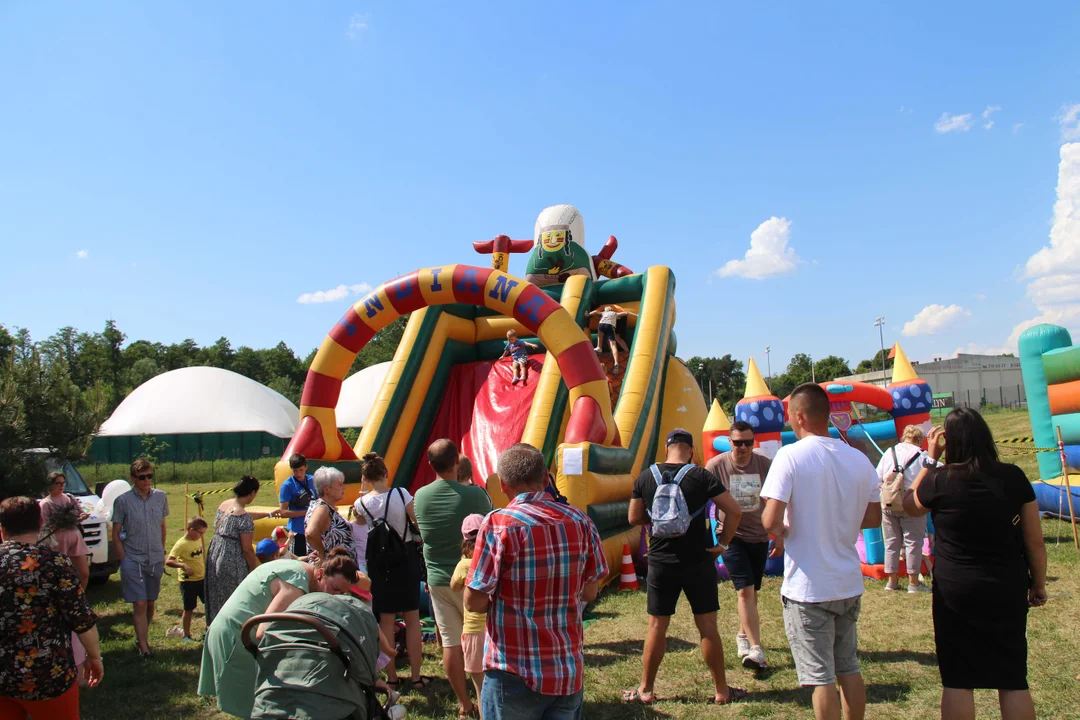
187 556
474 628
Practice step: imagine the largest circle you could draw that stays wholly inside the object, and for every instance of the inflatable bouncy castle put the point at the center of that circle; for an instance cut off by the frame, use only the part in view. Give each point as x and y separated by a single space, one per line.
596 428
1050 364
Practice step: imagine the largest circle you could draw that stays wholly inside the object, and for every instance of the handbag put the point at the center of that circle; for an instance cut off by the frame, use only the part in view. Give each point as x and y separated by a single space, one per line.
893 487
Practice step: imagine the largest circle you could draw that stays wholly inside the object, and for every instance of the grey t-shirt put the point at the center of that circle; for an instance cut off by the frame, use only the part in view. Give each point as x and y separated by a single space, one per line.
141 523
744 483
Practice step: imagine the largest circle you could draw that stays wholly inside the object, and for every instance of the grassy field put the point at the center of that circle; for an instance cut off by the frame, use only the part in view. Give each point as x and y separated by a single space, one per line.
896 644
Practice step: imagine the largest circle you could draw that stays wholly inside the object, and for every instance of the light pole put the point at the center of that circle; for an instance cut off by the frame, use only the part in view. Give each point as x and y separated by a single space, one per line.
813 375
879 323
768 365
701 377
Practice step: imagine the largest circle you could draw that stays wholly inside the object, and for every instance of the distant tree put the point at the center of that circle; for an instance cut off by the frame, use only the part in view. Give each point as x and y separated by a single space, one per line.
287 387
114 359
219 355
151 448
248 363
875 362
725 373
281 362
141 371
830 368
41 407
7 342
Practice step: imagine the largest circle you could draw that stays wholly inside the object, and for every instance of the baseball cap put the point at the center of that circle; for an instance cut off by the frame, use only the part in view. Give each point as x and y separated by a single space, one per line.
678 435
279 534
471 524
266 547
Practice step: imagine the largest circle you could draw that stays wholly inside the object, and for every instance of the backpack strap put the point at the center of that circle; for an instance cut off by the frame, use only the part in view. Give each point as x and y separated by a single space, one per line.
912 460
896 461
682 472
366 511
657 475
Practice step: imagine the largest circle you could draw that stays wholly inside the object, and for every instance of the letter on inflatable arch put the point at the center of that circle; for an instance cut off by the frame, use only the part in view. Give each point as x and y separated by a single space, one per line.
317 436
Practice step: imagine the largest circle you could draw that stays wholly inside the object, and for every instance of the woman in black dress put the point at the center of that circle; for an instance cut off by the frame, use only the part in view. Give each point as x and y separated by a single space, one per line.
990 566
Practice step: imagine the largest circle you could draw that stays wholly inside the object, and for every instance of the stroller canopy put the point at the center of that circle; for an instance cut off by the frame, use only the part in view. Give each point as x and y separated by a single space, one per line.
302 676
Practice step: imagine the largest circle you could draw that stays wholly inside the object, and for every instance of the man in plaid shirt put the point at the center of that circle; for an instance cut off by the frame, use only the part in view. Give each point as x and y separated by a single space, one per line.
540 562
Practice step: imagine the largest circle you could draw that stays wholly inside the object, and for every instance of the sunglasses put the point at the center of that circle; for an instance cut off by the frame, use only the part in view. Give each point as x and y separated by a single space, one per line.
58 482
145 476
742 443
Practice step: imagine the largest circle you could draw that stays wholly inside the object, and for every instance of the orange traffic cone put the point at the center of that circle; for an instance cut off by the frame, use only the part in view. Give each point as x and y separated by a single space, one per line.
628 579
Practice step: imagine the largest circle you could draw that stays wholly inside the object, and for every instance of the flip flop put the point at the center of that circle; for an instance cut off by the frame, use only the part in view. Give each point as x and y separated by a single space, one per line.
734 695
635 696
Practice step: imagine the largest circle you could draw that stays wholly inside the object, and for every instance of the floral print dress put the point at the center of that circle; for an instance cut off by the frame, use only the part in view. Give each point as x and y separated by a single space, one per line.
226 566
41 605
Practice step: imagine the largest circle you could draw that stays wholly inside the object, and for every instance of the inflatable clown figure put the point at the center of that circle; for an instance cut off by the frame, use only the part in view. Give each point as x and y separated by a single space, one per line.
559 249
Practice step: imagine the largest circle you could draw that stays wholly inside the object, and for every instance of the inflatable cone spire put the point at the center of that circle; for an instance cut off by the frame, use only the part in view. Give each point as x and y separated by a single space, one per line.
902 370
716 425
755 384
628 577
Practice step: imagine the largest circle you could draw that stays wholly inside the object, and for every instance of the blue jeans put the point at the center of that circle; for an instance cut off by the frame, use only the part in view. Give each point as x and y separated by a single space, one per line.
507 697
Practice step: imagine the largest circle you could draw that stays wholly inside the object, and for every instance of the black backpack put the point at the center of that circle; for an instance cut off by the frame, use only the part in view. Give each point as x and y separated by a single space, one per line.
385 547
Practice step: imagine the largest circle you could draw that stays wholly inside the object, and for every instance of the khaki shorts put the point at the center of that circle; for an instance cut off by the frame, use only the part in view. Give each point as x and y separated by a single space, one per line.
824 638
449 609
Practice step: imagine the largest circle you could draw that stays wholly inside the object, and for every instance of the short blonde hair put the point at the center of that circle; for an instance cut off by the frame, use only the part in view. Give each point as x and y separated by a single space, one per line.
913 434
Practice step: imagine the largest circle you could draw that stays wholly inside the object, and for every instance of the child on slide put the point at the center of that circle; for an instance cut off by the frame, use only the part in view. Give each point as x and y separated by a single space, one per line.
518 350
609 316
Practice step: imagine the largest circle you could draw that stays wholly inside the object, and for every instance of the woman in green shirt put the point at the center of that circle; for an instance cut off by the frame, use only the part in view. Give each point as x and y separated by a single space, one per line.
228 670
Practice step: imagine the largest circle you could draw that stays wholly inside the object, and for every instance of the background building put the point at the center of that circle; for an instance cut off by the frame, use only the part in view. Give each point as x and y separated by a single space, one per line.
972 380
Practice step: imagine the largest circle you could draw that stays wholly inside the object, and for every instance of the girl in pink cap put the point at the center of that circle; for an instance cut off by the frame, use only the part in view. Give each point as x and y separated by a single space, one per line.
475 625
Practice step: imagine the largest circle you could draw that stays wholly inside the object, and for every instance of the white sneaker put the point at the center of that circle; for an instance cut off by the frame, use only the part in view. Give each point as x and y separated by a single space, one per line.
742 644
892 587
755 659
916 589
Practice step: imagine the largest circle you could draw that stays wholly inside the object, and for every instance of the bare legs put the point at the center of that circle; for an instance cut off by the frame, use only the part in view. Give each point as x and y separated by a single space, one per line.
748 615
413 642
959 704
454 664
712 649
143 615
851 698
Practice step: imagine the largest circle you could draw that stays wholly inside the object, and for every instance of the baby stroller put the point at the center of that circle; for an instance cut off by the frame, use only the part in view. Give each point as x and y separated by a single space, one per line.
317 661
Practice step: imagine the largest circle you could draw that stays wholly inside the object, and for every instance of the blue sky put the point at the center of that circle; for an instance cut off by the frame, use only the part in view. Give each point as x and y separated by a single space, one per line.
193 173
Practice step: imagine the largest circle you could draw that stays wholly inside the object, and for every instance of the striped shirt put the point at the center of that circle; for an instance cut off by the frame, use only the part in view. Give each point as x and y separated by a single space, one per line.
534 558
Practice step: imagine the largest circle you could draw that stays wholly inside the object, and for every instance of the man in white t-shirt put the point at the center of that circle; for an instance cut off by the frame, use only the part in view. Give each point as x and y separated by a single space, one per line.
819 493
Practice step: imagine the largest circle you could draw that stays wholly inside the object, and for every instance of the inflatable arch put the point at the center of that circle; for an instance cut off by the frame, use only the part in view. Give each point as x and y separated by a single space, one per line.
317 436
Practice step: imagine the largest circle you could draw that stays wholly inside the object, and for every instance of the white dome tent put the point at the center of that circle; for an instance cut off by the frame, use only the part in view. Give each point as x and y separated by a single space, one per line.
202 413
358 394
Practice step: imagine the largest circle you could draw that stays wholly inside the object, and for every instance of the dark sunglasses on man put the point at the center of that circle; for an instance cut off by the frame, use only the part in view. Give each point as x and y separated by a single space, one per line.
145 476
742 443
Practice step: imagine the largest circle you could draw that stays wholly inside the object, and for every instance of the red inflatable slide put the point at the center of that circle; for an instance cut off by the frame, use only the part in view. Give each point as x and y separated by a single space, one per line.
483 413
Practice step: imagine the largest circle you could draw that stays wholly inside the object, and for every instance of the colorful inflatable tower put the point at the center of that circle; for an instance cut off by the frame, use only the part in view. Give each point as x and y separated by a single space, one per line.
716 425
762 410
912 397
1050 364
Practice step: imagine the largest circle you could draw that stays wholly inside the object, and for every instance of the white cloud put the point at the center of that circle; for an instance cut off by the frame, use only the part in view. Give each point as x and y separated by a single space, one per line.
333 294
82 254
980 296
1063 252
768 255
1054 271
990 110
1016 127
932 319
1069 119
949 123
357 24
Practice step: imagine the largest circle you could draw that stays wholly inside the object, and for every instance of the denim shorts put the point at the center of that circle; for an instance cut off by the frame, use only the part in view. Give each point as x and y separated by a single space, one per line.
824 638
506 697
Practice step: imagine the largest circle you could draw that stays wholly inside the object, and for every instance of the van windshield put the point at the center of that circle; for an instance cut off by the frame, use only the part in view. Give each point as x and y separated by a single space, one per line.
75 483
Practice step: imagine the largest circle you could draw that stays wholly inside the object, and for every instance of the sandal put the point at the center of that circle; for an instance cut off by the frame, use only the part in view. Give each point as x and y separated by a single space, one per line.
421 682
636 696
474 713
734 695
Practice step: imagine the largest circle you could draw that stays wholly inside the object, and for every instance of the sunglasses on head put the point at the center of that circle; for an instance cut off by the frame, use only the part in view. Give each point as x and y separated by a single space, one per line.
145 476
742 443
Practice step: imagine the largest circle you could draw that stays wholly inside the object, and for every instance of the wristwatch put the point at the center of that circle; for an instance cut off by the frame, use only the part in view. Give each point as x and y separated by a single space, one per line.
929 463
